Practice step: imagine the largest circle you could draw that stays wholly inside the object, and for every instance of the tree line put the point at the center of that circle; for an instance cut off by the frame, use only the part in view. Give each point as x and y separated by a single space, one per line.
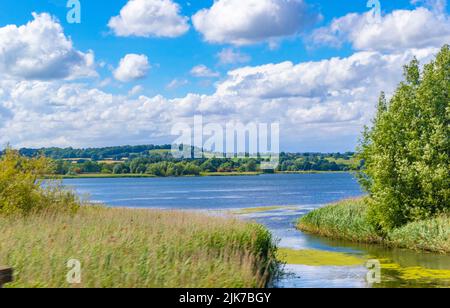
163 164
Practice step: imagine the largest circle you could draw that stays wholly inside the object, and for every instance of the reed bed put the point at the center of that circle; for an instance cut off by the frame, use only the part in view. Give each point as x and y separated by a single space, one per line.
136 248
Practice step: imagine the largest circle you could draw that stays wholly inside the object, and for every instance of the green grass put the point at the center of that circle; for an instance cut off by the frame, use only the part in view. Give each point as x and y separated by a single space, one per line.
352 163
136 248
432 234
347 220
344 220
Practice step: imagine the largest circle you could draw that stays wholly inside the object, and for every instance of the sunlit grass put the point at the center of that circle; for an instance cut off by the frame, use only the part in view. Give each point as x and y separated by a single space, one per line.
348 220
136 248
344 220
432 234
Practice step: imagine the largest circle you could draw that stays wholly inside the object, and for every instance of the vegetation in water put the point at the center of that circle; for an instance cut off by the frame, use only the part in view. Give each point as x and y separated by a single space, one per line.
345 220
318 258
406 153
349 220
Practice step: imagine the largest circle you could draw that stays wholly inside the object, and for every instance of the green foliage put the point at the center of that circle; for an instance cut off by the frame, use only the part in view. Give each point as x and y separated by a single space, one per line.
349 220
138 160
406 153
22 190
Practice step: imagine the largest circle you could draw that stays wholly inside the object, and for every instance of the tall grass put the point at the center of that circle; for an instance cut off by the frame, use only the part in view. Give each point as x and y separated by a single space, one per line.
432 234
136 248
344 220
348 220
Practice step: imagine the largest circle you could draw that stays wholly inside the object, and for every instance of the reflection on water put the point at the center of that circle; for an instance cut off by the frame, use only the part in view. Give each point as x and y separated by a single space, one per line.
277 201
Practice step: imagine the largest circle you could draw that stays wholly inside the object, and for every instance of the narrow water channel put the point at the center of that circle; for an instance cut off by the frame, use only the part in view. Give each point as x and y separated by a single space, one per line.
277 201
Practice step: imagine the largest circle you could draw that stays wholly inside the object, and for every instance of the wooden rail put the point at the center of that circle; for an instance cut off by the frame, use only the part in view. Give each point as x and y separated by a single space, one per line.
6 275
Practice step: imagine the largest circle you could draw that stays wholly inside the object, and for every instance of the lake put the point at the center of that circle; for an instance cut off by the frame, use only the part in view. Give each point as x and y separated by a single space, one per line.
285 198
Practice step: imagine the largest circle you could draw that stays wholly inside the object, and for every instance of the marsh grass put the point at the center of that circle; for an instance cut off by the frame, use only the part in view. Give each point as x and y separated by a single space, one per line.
348 220
432 234
344 220
136 248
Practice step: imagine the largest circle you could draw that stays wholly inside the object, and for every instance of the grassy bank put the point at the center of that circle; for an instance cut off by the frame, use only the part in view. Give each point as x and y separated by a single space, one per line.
136 248
130 175
218 174
347 220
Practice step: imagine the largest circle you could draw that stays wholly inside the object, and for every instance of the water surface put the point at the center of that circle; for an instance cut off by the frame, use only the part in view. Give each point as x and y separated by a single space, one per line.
287 197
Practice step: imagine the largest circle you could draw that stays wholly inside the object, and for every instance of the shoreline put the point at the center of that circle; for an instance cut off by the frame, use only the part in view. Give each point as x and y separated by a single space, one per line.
204 174
347 220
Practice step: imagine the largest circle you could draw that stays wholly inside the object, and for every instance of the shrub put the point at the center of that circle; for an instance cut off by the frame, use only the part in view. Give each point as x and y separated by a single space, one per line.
22 189
406 153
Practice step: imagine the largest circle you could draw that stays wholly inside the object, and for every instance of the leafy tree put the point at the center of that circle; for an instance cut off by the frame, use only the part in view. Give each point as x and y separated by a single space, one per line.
406 152
22 190
191 169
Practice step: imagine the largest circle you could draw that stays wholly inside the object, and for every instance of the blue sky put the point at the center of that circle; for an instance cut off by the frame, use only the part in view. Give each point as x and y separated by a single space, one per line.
174 58
168 74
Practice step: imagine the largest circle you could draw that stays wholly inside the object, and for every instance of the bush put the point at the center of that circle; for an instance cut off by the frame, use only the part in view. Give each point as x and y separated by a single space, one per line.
406 153
22 190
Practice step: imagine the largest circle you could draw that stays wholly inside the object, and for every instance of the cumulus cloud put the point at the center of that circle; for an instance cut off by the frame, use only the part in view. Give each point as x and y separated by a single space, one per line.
132 67
324 103
176 83
231 56
401 29
39 50
149 18
252 21
203 71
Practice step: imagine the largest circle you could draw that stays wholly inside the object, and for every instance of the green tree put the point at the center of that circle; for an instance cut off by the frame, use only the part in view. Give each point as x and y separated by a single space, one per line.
406 152
22 190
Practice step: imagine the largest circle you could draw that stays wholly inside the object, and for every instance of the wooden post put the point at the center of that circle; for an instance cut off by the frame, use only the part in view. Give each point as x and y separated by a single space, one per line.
6 275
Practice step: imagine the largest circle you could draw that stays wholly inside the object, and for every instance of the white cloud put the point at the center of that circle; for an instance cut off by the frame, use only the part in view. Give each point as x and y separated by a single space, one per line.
246 22
231 56
177 83
401 29
39 50
149 18
203 71
135 90
132 67
321 103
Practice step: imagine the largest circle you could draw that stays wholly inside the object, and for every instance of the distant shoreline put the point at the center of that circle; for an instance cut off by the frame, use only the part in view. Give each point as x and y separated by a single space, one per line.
204 174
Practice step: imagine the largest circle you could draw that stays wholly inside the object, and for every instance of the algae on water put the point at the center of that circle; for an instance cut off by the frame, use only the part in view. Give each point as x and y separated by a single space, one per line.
318 258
